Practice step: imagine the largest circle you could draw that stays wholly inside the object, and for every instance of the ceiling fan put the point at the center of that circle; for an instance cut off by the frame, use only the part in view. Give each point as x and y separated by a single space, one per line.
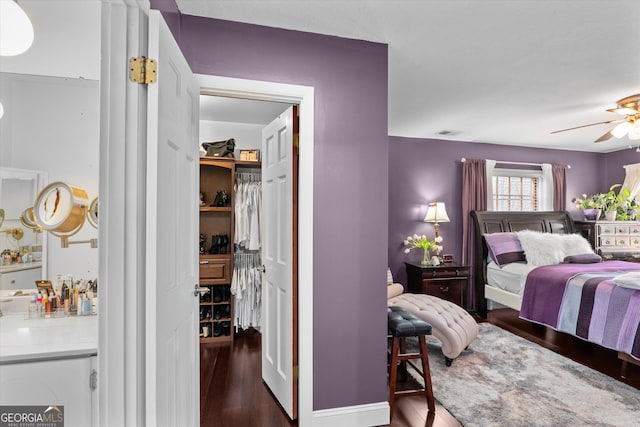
628 125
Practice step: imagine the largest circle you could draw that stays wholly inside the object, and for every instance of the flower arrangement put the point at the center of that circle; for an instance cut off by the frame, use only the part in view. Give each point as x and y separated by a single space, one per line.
421 242
589 202
621 202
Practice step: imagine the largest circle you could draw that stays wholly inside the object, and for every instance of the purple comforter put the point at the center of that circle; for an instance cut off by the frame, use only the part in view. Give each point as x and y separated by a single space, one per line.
582 300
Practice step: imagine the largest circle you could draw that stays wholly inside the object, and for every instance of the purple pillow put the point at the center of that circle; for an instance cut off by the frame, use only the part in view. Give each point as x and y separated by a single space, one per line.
589 258
504 248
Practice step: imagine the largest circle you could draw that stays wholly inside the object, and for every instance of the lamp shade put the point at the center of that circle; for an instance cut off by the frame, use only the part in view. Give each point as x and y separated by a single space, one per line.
436 213
16 30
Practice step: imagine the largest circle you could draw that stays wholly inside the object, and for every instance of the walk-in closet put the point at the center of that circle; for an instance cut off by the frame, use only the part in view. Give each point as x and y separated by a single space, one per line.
232 229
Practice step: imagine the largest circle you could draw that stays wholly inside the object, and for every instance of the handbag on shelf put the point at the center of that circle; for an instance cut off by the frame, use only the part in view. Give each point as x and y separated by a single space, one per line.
220 148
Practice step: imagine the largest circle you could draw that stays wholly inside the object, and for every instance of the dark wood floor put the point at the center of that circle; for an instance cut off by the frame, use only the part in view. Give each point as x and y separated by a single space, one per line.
232 392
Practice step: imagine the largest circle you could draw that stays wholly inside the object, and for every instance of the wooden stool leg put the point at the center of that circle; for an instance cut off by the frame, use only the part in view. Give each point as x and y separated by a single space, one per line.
426 374
393 374
403 363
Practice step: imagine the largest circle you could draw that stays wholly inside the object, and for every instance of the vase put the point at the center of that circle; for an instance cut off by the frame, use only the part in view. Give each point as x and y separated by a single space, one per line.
611 215
425 258
591 214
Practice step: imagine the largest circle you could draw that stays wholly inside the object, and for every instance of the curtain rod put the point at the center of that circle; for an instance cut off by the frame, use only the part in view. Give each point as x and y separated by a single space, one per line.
515 163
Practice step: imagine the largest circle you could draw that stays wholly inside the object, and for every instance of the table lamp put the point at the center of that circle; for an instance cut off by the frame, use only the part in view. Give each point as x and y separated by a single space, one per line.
436 213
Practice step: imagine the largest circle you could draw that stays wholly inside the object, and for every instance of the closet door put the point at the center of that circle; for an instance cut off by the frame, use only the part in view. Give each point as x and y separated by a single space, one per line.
277 255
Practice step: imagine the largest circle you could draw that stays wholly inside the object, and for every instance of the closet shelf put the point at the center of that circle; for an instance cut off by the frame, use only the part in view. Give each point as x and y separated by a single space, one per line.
215 209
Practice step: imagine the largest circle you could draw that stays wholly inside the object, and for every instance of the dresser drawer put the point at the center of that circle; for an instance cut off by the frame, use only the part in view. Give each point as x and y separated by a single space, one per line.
446 272
606 229
450 290
215 270
622 229
607 241
622 241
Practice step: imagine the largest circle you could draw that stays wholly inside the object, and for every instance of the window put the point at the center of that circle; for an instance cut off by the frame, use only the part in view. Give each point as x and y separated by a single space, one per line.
516 190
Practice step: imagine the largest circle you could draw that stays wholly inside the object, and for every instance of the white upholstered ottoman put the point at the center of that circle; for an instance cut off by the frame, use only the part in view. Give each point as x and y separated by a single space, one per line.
451 324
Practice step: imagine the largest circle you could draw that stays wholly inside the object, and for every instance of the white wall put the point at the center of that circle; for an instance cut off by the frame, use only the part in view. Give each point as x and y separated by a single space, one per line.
52 124
66 40
247 136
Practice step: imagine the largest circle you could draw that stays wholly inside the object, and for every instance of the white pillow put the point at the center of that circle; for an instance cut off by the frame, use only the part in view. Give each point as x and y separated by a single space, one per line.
547 248
541 248
575 244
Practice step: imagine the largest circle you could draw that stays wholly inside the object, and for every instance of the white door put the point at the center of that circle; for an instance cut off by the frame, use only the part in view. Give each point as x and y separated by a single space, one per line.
172 371
277 255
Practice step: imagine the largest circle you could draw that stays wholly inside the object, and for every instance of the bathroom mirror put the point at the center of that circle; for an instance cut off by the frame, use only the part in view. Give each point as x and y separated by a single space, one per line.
18 189
51 122
1 217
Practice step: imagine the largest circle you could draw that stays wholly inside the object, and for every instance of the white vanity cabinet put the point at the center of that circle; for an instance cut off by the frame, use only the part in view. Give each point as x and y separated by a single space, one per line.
67 382
20 276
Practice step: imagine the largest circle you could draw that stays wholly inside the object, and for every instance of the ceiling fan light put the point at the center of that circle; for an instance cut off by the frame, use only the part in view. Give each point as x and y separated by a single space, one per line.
634 132
621 130
16 30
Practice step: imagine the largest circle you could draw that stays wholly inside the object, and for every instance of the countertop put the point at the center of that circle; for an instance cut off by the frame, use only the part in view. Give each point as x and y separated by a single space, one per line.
25 340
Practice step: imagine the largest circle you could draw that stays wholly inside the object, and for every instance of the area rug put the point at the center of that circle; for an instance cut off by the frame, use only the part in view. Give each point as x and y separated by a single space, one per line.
505 380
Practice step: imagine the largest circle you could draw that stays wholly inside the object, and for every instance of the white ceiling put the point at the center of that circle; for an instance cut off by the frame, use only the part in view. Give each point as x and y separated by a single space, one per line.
497 71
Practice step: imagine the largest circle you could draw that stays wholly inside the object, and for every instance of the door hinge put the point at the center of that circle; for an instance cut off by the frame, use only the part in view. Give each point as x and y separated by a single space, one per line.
142 70
93 380
295 372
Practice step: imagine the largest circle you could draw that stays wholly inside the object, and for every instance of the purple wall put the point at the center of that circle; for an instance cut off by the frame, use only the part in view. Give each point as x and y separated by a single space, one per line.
614 165
428 170
350 185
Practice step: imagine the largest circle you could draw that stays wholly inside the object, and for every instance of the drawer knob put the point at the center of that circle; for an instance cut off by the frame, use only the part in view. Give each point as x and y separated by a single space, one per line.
204 262
444 289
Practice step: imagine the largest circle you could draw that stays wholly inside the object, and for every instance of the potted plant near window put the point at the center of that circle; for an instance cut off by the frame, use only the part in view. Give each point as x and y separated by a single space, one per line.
616 203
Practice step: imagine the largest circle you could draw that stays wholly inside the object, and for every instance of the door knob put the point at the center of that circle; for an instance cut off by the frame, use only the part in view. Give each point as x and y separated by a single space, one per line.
197 290
263 269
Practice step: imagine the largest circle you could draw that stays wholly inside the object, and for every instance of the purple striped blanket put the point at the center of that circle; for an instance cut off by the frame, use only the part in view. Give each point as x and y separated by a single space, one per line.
582 300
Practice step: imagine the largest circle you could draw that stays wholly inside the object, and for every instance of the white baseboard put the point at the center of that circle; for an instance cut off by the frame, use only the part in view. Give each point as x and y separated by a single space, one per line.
372 414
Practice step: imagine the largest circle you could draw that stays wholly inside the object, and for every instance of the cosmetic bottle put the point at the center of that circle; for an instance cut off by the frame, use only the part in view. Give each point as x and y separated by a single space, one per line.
39 304
47 305
33 306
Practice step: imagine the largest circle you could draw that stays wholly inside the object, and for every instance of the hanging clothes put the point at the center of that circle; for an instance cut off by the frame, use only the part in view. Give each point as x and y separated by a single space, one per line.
248 210
246 285
246 282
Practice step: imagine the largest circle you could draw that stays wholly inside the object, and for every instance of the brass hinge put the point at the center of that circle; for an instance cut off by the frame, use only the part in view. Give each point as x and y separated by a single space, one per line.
142 70
295 373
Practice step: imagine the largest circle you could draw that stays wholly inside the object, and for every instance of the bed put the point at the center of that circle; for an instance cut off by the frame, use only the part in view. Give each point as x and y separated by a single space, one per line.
587 300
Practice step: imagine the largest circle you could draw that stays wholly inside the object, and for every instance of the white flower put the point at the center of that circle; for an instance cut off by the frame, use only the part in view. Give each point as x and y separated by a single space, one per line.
406 251
416 237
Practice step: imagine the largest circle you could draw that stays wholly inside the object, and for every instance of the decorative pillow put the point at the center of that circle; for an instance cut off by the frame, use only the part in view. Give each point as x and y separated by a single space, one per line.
541 248
389 277
504 248
575 244
588 258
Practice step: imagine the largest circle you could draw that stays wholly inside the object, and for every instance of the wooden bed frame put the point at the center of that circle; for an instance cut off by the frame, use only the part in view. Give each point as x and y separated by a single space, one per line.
500 222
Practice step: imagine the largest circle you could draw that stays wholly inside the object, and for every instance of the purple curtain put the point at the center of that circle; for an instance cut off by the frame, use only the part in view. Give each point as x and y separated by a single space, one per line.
474 197
559 173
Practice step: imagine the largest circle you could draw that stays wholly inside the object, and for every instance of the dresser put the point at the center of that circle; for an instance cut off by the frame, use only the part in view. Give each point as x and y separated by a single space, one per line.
618 240
447 281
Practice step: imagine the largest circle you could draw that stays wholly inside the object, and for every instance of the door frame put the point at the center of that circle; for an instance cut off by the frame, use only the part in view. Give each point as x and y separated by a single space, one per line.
304 97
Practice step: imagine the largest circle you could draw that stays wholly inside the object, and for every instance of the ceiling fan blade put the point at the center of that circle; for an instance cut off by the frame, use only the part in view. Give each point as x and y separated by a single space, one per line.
590 124
607 136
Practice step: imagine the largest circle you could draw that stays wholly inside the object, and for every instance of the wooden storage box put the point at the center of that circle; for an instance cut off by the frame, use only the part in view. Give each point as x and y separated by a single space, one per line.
250 155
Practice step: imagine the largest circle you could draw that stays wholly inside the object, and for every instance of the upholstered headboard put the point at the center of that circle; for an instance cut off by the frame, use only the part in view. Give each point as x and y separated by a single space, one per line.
486 222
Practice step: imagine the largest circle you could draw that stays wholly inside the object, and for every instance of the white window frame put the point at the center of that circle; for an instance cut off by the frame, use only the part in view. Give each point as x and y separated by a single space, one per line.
522 173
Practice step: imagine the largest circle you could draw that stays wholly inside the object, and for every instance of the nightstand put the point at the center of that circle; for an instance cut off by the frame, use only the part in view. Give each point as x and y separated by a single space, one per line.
447 281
